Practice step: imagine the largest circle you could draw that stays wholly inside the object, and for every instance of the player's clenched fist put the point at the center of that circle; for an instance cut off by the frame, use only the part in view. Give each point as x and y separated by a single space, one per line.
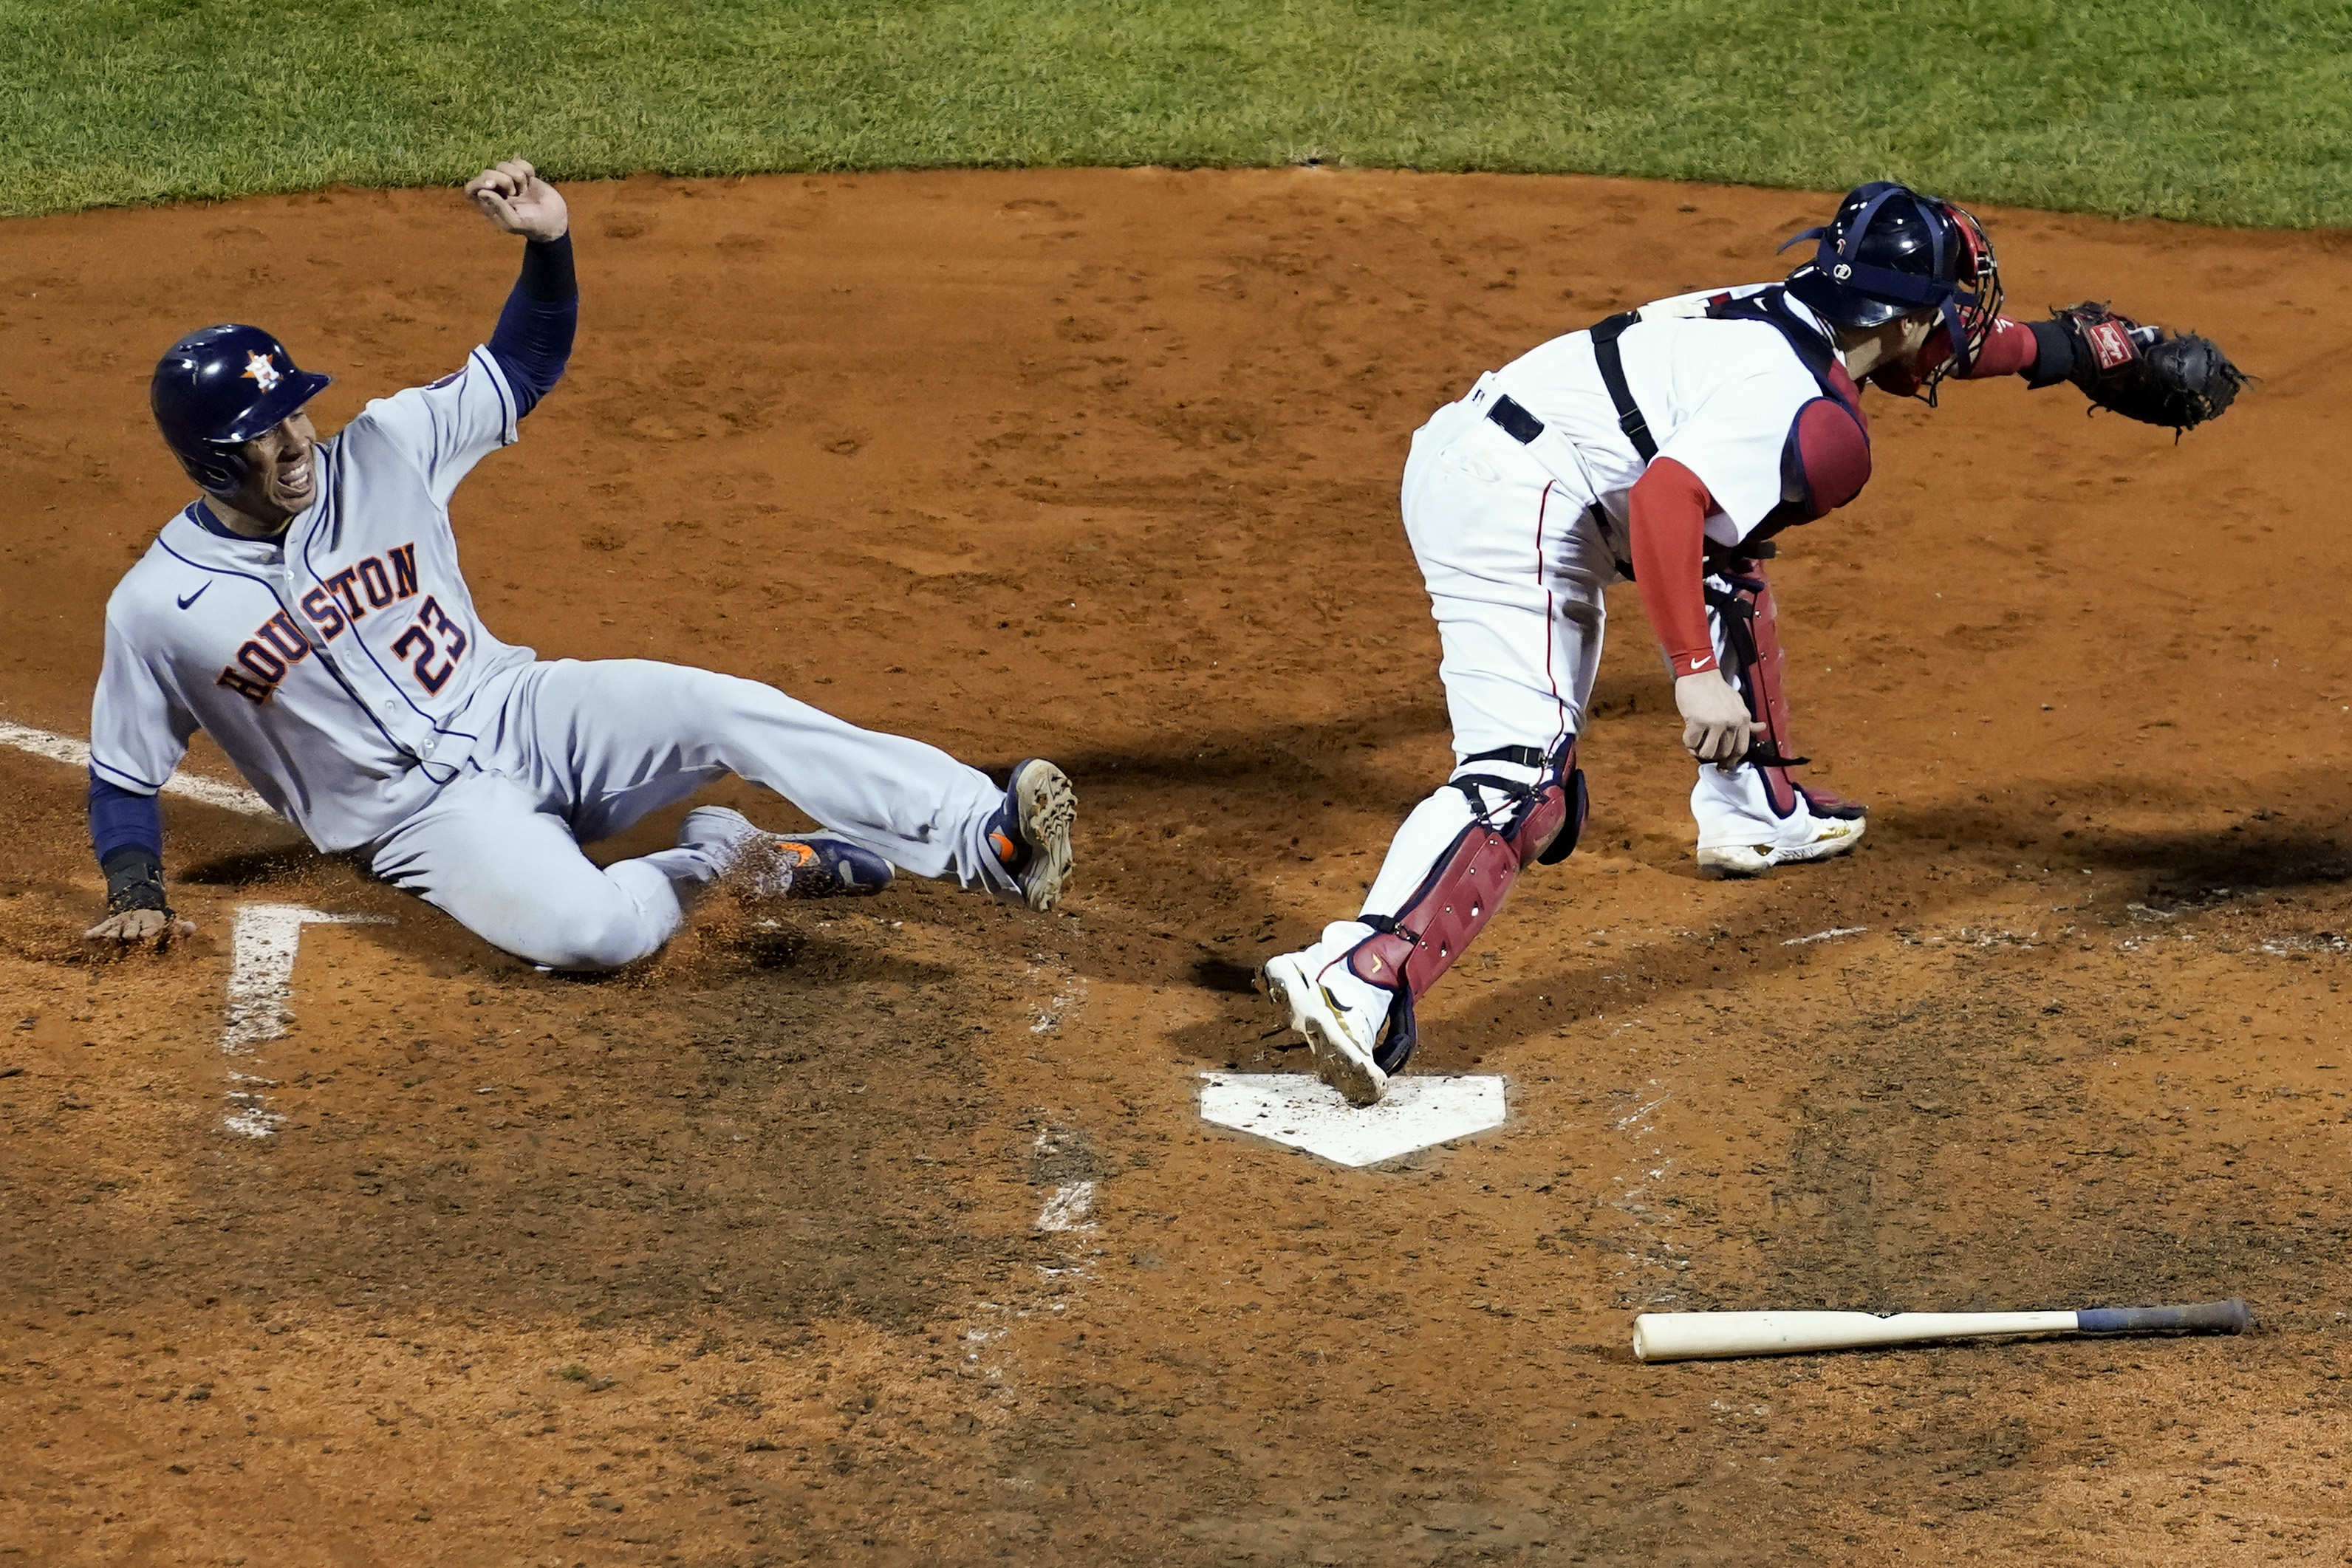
1716 727
513 197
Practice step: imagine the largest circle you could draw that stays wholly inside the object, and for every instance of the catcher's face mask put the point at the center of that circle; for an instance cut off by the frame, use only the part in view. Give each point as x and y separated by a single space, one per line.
1891 251
1975 304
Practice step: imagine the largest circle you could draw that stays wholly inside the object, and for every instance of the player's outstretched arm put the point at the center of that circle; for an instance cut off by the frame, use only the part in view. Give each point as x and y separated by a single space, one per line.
2153 374
532 343
513 197
139 732
126 830
134 899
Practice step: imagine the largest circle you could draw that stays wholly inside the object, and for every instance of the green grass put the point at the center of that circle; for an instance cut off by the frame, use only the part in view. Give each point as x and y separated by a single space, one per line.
2221 111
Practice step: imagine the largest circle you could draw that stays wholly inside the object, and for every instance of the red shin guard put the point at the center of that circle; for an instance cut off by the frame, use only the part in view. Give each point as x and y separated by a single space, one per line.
1512 825
1751 635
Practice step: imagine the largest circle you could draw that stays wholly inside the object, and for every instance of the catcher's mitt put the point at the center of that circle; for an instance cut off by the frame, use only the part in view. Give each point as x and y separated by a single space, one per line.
2147 373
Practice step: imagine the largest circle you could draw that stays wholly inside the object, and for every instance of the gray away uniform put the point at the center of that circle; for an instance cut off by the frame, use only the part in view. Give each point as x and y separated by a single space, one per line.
343 669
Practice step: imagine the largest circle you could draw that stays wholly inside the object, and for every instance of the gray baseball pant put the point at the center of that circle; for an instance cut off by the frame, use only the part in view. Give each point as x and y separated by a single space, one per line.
579 751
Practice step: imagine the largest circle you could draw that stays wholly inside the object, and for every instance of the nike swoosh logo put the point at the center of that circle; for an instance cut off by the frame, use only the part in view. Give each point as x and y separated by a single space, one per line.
191 598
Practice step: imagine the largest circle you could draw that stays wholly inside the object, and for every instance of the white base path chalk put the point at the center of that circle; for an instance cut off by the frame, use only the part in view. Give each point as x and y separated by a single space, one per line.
1068 1207
195 787
262 945
1306 1114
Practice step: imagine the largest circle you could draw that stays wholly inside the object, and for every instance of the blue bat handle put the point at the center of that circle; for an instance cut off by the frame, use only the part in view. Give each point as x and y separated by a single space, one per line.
2231 1316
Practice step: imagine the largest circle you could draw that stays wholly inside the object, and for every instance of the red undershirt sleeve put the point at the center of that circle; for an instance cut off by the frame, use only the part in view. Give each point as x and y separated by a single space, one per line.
2009 351
1667 514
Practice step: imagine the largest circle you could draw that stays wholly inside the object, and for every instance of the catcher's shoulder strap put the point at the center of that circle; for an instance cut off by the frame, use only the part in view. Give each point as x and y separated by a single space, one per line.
1812 348
1810 344
1611 361
1825 461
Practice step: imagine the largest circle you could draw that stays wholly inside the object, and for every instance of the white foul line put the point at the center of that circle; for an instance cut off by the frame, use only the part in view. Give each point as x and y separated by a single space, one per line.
1067 1207
195 787
260 997
1831 935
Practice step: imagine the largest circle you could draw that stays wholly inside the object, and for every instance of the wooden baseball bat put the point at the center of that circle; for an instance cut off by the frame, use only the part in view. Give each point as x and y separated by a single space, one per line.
1686 1336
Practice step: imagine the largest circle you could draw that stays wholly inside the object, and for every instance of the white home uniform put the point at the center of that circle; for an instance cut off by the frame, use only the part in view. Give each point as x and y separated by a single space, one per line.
343 669
1517 542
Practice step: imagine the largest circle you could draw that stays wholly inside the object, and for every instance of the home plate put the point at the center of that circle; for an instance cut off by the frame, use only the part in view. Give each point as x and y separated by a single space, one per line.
1307 1114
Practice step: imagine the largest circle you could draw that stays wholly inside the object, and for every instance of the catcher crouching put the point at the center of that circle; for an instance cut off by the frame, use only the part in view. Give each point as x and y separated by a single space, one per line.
1668 445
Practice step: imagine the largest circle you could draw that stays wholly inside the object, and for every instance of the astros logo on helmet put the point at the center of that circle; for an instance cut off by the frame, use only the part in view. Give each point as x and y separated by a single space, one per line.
220 388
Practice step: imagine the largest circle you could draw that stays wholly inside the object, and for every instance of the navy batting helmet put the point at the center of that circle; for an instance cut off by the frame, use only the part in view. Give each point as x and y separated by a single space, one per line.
217 389
1890 251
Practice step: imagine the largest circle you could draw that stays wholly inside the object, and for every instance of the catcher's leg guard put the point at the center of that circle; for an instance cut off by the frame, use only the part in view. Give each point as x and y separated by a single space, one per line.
1751 635
1512 824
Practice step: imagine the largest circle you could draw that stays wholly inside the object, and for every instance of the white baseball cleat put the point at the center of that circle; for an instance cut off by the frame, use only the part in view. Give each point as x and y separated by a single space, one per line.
1334 1032
1826 839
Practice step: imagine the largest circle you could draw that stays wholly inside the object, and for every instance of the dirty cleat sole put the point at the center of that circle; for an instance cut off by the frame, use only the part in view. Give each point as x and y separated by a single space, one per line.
1043 810
1340 1061
1833 837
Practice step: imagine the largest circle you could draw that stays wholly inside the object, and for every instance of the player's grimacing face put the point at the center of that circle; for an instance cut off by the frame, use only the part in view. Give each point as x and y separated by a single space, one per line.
284 474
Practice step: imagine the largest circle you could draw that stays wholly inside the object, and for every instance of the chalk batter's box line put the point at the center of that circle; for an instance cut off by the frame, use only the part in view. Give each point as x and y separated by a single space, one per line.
263 946
75 753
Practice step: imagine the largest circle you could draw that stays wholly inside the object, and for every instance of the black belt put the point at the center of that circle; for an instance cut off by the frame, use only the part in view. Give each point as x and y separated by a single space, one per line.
1516 422
1524 427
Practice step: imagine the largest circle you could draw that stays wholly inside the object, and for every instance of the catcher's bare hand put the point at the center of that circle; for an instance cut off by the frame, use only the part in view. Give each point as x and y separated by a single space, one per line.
513 197
1716 725
138 926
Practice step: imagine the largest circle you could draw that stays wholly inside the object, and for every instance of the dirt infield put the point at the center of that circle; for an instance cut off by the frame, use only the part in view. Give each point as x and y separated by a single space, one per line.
740 1259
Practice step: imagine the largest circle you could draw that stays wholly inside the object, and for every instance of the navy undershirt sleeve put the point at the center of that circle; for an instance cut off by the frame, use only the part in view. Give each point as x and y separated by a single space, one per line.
533 339
120 819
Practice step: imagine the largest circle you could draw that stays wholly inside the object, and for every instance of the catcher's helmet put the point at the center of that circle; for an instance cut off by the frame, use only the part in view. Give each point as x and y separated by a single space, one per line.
217 389
1890 251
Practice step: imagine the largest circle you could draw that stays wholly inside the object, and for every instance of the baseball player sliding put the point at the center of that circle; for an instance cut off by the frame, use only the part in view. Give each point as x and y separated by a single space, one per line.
1668 445
308 613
